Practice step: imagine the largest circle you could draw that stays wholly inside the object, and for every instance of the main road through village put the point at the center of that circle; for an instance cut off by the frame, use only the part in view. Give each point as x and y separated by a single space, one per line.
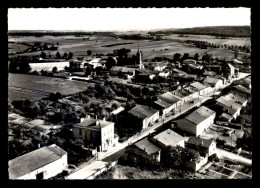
89 168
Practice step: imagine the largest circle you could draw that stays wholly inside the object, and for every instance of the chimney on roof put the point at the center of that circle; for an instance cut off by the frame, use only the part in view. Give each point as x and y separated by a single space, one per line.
104 119
96 116
88 116
97 123
39 146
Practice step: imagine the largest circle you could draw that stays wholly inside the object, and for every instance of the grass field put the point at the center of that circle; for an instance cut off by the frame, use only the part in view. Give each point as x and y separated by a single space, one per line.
23 86
150 49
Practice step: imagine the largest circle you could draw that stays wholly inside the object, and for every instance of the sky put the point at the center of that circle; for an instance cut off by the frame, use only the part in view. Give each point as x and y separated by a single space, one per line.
123 19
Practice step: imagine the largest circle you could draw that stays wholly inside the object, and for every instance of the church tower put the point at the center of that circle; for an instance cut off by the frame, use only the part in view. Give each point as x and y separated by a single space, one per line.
139 58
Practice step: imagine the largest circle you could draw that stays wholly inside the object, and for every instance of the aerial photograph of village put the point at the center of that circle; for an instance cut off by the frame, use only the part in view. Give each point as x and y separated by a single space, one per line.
129 93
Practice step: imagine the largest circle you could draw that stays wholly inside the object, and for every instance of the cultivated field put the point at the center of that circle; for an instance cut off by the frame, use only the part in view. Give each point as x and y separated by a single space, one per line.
23 86
212 39
96 43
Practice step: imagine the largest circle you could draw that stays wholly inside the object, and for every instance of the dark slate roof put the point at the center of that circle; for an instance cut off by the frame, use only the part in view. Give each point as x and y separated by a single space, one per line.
34 160
185 122
199 141
198 85
181 93
163 104
200 115
243 89
91 123
226 116
169 97
211 80
148 146
142 111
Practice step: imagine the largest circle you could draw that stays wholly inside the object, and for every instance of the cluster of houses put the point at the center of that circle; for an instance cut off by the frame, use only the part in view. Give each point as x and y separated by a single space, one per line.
99 134
152 146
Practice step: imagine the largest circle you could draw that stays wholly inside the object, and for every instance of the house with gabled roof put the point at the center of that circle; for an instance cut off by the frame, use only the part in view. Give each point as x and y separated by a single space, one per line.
203 146
203 89
197 122
243 91
149 148
168 138
42 163
214 82
144 115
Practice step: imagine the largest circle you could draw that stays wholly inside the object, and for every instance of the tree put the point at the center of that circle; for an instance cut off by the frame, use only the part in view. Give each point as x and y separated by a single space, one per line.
43 55
176 57
196 56
70 55
110 62
185 56
88 71
236 53
65 55
89 52
54 69
58 56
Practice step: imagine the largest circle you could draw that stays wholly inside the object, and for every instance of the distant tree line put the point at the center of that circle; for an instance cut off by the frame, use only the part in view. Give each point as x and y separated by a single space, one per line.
222 31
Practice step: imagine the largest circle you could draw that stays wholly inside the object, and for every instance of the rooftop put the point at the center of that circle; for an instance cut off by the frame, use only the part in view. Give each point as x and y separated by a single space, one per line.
242 88
200 115
34 160
162 103
226 116
198 85
199 141
148 146
231 111
169 97
168 137
91 123
142 111
228 100
181 93
211 80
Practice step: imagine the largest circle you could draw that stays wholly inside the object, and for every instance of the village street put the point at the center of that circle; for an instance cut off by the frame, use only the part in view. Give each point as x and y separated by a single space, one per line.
90 169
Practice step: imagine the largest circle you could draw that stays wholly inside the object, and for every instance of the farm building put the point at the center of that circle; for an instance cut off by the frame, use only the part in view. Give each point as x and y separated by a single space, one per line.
214 82
168 138
146 146
166 103
243 91
189 61
144 75
144 115
203 146
95 133
48 66
202 88
197 122
155 66
42 163
231 105
115 70
183 94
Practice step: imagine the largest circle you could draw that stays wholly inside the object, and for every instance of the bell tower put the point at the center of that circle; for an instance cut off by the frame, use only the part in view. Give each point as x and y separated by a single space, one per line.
139 58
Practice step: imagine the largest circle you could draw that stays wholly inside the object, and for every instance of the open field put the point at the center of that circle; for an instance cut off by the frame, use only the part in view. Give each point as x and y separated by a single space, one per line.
150 49
23 86
211 39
